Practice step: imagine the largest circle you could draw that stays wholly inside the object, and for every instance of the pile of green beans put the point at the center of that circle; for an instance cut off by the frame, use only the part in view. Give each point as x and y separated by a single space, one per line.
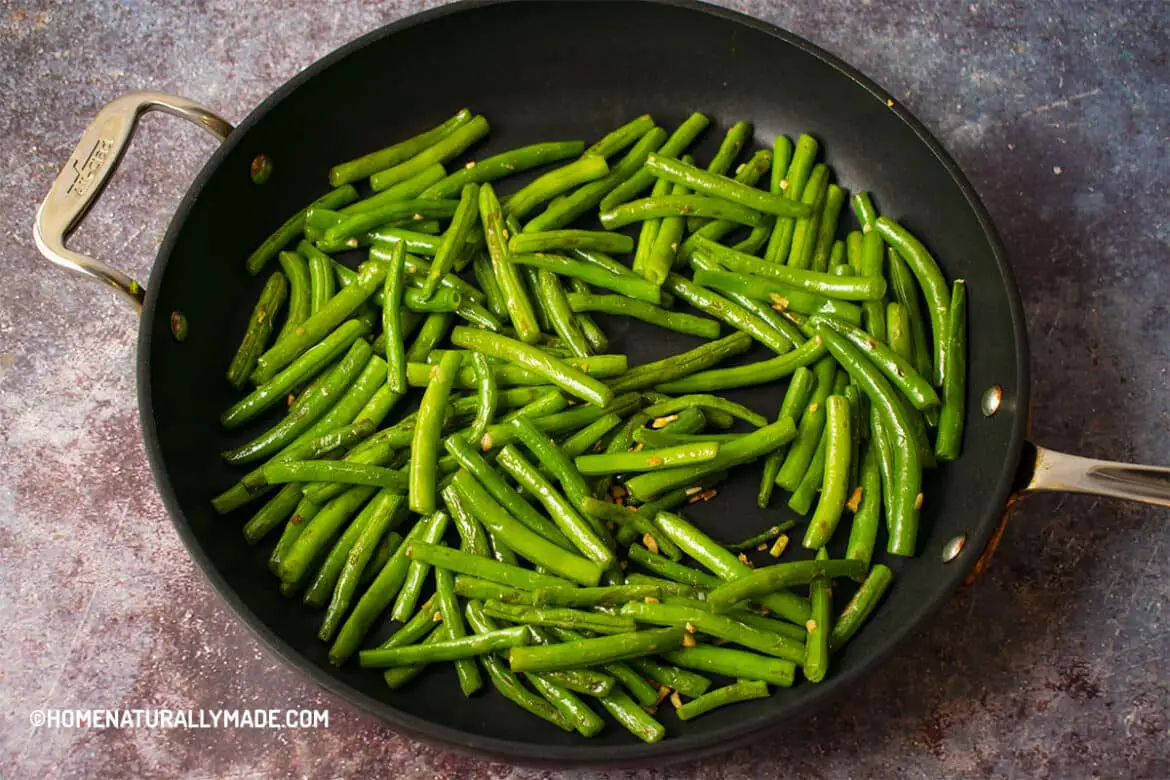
466 474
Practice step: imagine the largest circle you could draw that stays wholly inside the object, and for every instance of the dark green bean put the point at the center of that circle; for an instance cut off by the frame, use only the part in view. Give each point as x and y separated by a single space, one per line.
640 179
681 365
740 690
424 445
719 626
724 188
561 617
873 312
726 311
259 330
930 279
827 228
950 420
680 205
295 225
836 484
647 460
896 369
380 513
571 420
556 306
709 404
482 568
845 288
860 606
363 166
749 173
867 517
796 398
804 230
274 511
449 650
792 186
594 651
782 297
629 286
455 239
757 373
333 471
898 332
619 139
433 528
527 243
812 423
299 295
816 659
557 372
320 531
304 512
485 277
589 436
685 682
504 164
906 293
392 319
733 142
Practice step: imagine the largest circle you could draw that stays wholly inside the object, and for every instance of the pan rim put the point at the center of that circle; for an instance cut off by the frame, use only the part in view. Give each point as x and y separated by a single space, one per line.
577 755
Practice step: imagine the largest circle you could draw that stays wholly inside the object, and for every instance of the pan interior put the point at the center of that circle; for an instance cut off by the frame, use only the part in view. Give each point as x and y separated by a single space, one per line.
544 72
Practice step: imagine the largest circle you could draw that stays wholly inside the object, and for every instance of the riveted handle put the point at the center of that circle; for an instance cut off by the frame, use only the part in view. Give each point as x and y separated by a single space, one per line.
84 177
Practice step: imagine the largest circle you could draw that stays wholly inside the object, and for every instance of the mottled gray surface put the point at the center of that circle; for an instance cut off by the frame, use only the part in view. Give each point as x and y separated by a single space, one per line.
1052 665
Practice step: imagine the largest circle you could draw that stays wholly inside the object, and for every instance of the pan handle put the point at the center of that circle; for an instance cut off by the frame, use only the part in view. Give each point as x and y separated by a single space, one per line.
1045 470
86 174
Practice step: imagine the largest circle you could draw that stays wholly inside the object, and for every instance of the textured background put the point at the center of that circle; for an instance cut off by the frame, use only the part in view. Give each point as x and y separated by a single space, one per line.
1053 665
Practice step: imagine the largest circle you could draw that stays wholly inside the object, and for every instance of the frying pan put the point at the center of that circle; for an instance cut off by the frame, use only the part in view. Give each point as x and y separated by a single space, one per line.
546 72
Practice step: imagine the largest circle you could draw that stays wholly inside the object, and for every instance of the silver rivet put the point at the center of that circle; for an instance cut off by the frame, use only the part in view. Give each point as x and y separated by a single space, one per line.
991 400
952 548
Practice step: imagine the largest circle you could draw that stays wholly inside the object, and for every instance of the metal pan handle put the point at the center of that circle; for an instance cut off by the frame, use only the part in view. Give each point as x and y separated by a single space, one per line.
1045 470
84 177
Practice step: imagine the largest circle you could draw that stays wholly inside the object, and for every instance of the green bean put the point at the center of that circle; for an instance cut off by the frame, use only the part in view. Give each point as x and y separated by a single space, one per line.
563 513
526 543
363 166
873 312
594 651
398 676
707 403
428 616
954 385
647 460
594 335
333 471
592 597
321 281
816 660
408 189
648 231
466 670
551 458
633 717
740 690
433 527
482 568
726 311
654 439
769 579
680 418
866 518
392 319
641 179
838 262
295 225
664 251
930 279
259 330
629 286
757 373
726 566
804 231
424 445
896 369
508 683
678 366
898 332
455 239
572 420
715 625
796 398
366 395
317 326
345 229
782 150
679 205
743 450
324 581
561 617
274 511
586 169
304 512
299 301
277 388
685 682
550 401
733 142
587 722
449 650
444 300
557 372
527 243
321 400
859 608
724 188
487 395
802 497
792 185
643 692
749 173
782 297
735 663
864 210
853 241
827 228
765 537
676 498
619 139
907 498
556 306
439 149
630 524
484 590
812 423
320 531
567 209
835 488
590 436
906 293
485 278
379 514
844 288
504 164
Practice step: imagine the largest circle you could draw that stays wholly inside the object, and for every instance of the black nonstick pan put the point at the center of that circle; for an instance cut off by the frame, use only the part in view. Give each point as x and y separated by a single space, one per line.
539 72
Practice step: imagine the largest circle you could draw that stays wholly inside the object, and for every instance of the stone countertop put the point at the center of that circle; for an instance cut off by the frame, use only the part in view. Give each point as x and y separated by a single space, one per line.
1052 665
